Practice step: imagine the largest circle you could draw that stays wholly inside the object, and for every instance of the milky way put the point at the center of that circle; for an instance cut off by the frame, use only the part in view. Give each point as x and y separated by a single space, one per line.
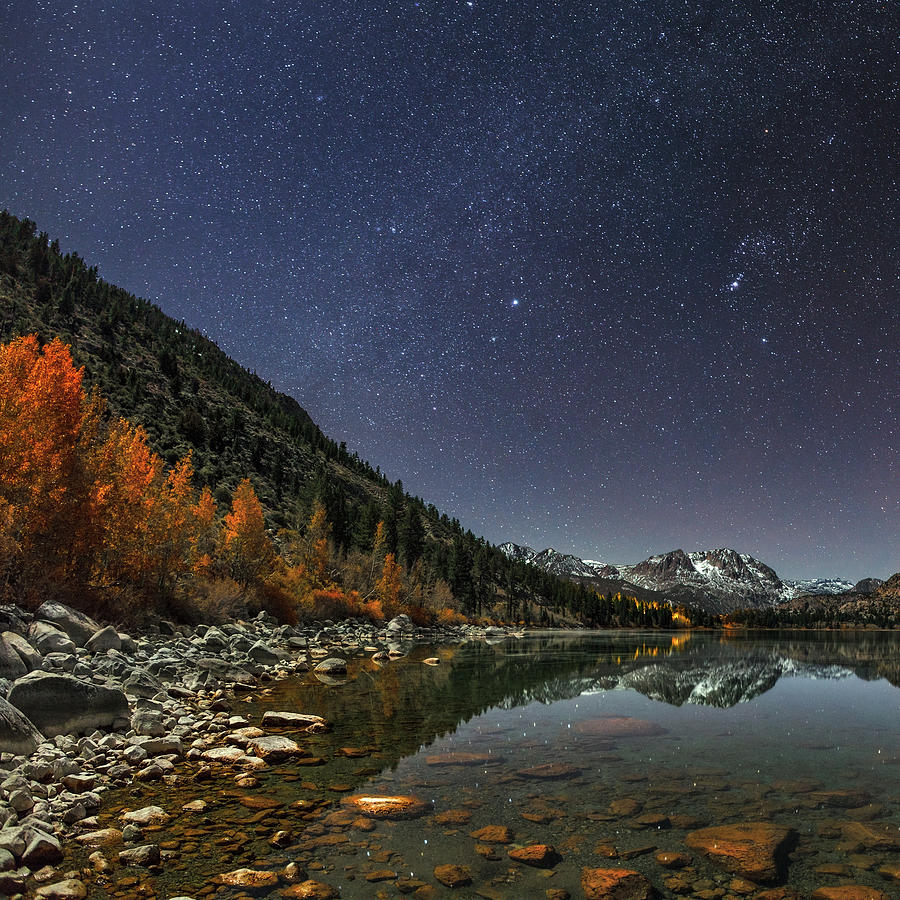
616 278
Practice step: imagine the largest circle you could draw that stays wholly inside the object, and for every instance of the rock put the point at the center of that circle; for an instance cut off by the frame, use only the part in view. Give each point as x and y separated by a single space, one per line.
310 890
31 657
263 654
47 638
17 733
493 834
754 850
671 860
463 759
41 849
250 879
274 747
890 872
615 884
541 856
394 807
549 772
12 665
276 719
70 889
105 837
453 817
872 835
840 799
431 661
148 722
105 639
142 684
453 876
78 626
145 856
849 892
617 727
63 704
333 665
147 815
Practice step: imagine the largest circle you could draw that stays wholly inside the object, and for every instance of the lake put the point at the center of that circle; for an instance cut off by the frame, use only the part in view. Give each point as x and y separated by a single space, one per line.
608 749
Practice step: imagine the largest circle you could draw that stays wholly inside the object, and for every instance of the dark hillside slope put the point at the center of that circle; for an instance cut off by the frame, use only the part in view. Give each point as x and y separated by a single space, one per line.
190 396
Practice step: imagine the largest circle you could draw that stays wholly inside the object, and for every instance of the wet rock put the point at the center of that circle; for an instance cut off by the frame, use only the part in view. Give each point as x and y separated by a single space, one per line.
280 719
618 727
69 889
625 806
131 834
849 892
615 884
17 733
387 807
352 752
754 850
310 890
333 665
541 856
274 748
453 876
63 704
657 821
147 815
431 661
104 837
493 834
195 806
250 879
144 856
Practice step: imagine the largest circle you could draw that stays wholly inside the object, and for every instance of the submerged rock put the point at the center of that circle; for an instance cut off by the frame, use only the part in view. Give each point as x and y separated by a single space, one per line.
618 727
615 884
453 876
392 807
754 850
541 856
849 892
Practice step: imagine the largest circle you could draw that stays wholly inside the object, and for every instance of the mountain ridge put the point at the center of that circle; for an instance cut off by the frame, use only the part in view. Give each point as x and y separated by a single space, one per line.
718 580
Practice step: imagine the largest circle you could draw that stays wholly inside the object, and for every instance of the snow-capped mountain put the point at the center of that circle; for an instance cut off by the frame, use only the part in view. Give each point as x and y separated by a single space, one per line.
716 580
822 586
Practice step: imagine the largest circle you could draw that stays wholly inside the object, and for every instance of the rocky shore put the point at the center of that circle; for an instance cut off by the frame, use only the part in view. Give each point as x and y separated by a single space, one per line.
88 708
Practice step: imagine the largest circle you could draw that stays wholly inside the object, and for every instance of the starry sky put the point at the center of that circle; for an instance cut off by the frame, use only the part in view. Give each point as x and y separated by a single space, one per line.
614 278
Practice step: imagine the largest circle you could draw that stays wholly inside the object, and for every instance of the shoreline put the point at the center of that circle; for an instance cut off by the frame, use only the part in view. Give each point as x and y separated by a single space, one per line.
113 710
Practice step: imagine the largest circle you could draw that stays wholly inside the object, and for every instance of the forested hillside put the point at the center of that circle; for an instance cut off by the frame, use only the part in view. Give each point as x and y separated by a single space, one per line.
196 403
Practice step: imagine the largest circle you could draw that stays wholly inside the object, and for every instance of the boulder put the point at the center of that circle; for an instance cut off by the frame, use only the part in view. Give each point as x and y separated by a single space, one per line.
146 855
27 653
78 626
263 654
103 640
277 718
334 665
47 638
11 664
68 889
17 733
62 704
753 850
274 747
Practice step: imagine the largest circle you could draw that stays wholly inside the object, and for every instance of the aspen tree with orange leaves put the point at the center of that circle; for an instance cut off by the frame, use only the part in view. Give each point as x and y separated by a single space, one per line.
245 547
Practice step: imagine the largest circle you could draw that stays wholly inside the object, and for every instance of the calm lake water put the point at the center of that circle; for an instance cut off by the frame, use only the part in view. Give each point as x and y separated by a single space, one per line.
608 746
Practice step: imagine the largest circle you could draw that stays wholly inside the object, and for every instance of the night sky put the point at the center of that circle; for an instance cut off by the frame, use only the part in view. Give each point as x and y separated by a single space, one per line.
614 278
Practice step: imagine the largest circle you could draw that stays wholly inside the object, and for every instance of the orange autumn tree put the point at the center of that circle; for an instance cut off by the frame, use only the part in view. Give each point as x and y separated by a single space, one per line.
42 483
245 546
